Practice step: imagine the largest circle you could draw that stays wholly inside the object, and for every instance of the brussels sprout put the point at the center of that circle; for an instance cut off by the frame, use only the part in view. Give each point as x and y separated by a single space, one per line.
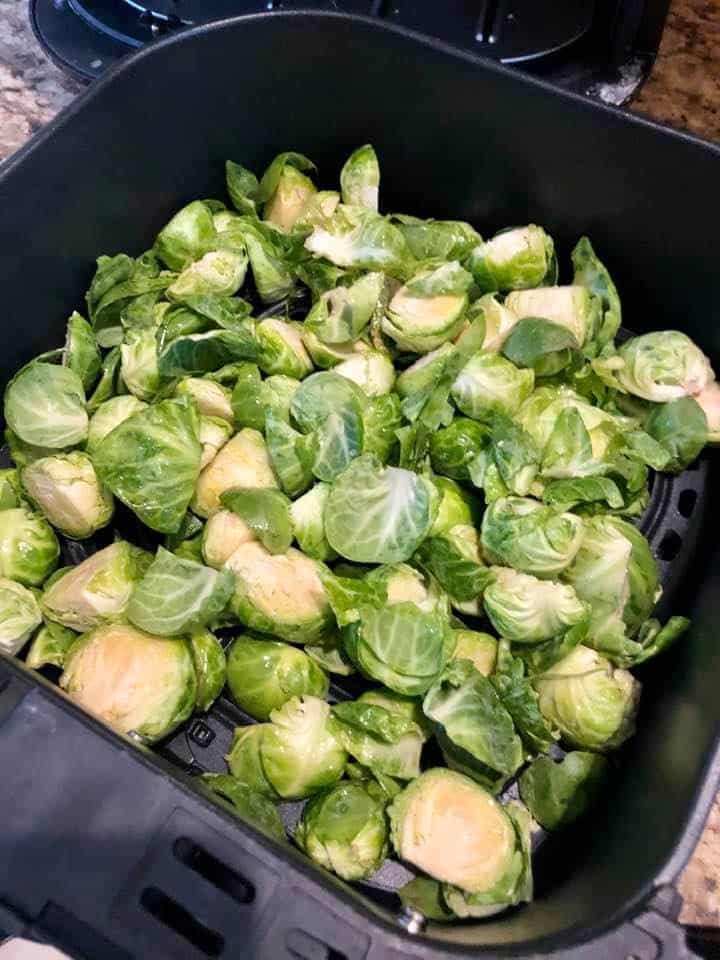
139 363
300 751
521 533
96 590
252 807
176 596
342 314
357 237
559 793
425 895
263 675
242 187
401 646
327 355
345 830
109 415
318 274
212 399
573 307
281 349
616 574
489 383
661 366
709 402
306 514
592 704
288 200
479 648
429 309
457 507
210 668
131 680
266 512
473 727
377 514
49 646
591 273
401 583
429 816
454 559
151 462
19 616
456 450
66 489
279 594
437 239
245 759
682 428
120 288
526 610
541 344
513 260
253 397
81 352
187 236
242 462
499 321
45 406
29 549
214 433
360 178
220 272
222 535
379 736
372 371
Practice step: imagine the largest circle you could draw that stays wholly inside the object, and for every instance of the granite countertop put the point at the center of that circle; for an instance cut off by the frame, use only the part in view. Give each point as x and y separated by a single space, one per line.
683 91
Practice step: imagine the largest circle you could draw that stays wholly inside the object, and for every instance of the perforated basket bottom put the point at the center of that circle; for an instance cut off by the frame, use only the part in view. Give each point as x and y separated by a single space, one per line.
672 524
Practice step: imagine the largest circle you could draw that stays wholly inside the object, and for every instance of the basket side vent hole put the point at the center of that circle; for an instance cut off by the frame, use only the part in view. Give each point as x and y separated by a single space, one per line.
303 946
686 503
216 872
670 546
171 914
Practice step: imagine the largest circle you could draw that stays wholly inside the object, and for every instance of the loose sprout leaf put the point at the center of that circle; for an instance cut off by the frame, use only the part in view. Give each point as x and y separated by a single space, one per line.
242 187
151 462
437 239
377 514
176 595
425 895
559 793
81 353
201 353
520 701
681 427
591 273
271 177
45 406
568 494
291 462
541 344
360 178
248 805
105 387
266 512
49 646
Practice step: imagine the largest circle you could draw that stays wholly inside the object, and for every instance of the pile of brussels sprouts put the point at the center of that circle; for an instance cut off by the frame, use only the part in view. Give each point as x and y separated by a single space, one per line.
407 453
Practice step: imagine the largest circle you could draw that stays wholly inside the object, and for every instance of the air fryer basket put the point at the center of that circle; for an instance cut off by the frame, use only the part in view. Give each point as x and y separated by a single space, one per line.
108 849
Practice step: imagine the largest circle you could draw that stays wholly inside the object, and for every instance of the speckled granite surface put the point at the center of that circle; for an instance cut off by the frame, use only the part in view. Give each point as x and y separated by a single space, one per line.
683 90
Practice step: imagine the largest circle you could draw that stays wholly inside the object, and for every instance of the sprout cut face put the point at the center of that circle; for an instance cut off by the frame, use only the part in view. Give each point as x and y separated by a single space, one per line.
242 462
19 615
29 549
663 366
66 489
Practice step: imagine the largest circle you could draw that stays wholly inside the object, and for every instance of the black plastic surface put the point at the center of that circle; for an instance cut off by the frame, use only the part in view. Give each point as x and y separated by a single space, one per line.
90 822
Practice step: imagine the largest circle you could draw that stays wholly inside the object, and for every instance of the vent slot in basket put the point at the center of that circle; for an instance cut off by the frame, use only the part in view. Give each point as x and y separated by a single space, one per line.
171 914
213 870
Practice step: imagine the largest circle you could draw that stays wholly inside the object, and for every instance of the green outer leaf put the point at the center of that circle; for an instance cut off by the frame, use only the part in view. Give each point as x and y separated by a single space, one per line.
105 388
591 273
81 352
201 353
681 427
266 512
271 177
558 794
176 595
520 701
210 668
541 344
250 806
151 462
425 895
566 494
360 178
45 406
291 462
461 576
50 646
242 187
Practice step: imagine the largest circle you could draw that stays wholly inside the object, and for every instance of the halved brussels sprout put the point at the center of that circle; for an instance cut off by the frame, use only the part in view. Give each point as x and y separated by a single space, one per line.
50 646
473 727
242 462
342 314
212 399
282 350
96 590
245 759
681 429
214 433
592 704
709 401
457 506
513 260
455 560
345 830
429 309
289 198
522 533
19 616
490 383
109 415
263 675
307 520
279 594
381 734
29 549
477 647
663 366
527 610
176 596
423 374
81 352
224 532
266 512
573 307
151 462
45 406
210 668
499 321
401 583
11 494
377 514
558 794
372 371
66 489
300 750
326 355
187 236
456 451
354 236
360 178
219 272
437 239
139 362
131 680
433 812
